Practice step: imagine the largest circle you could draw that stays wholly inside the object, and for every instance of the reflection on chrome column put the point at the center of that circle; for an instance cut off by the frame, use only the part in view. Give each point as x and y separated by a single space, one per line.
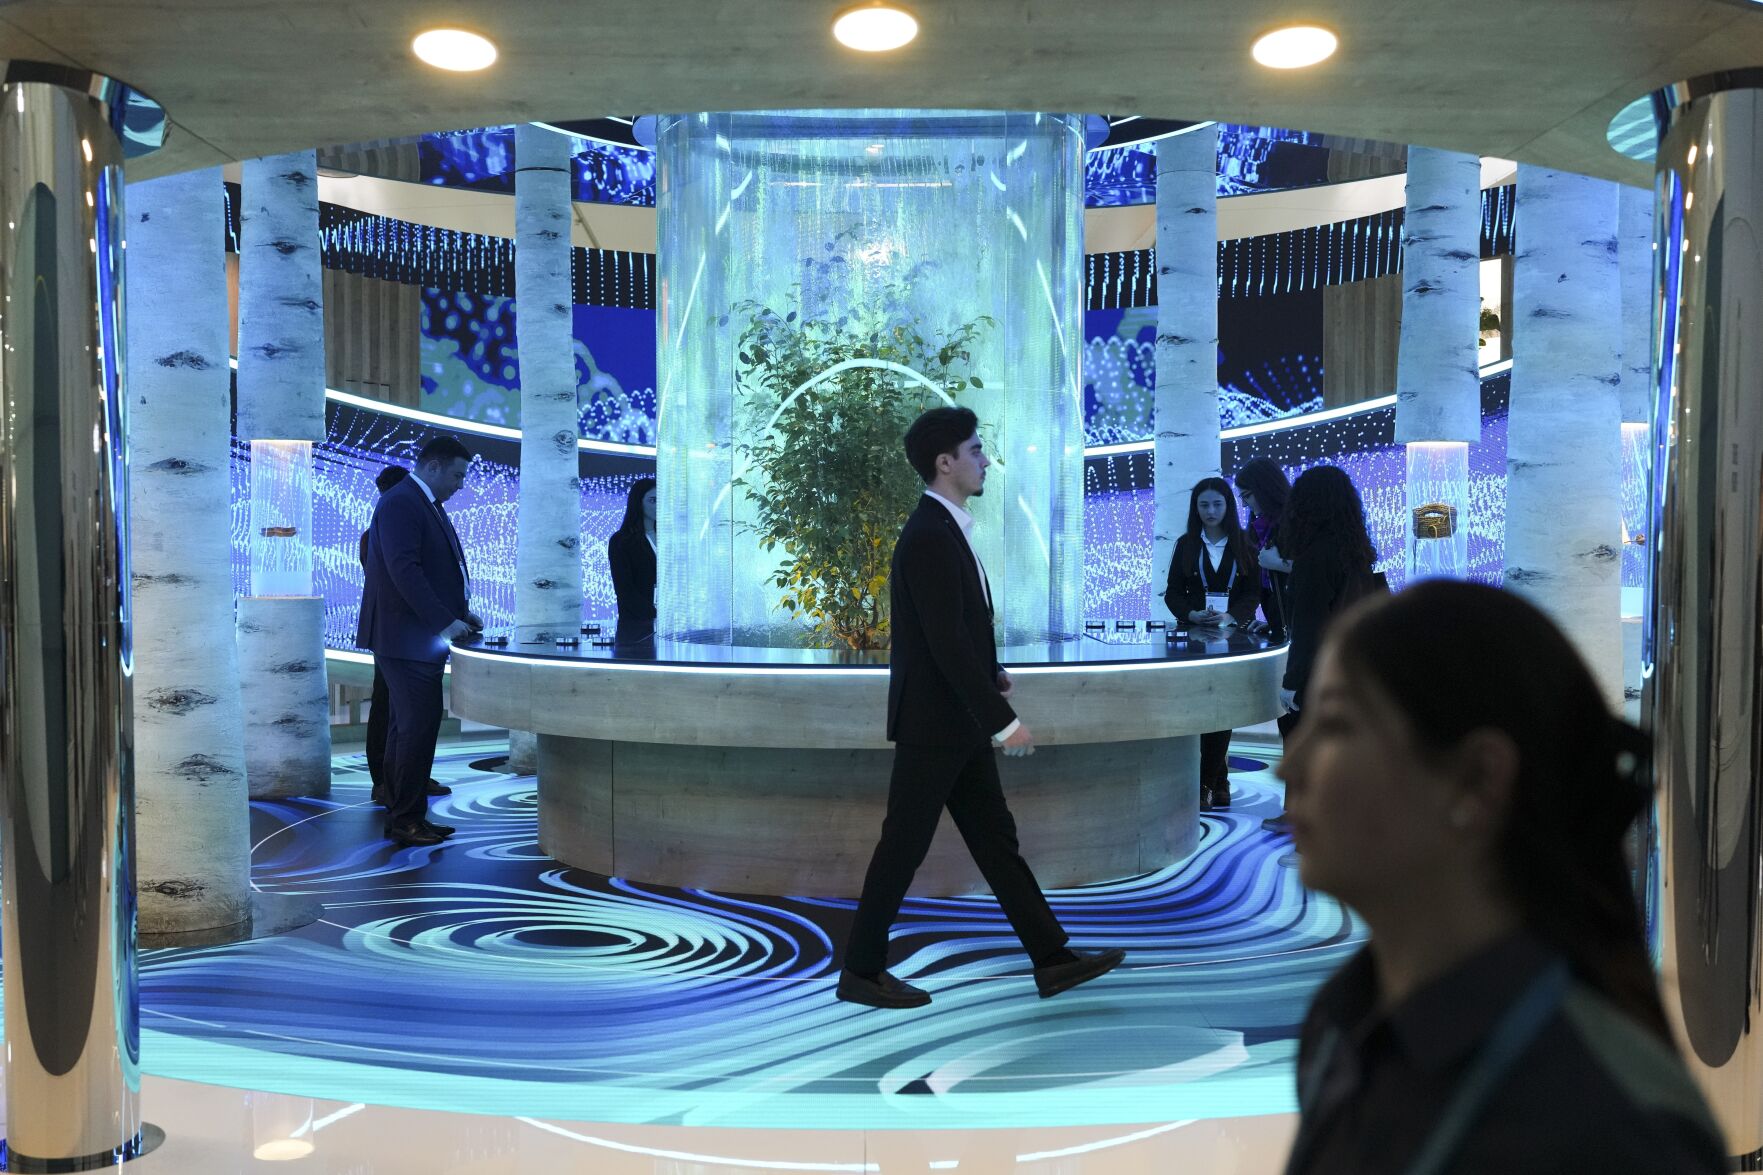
1701 639
72 1020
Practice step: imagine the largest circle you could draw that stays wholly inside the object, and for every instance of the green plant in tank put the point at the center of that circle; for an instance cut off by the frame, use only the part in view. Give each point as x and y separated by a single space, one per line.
829 400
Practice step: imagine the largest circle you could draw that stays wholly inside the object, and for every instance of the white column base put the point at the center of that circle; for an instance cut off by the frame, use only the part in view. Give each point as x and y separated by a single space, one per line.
287 703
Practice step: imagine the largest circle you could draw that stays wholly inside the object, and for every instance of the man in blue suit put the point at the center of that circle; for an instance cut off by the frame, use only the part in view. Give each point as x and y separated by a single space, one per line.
415 603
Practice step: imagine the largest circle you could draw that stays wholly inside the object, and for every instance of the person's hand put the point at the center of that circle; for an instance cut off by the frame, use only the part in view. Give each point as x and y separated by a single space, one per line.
476 621
1006 687
1271 560
456 630
1021 742
1203 616
1288 701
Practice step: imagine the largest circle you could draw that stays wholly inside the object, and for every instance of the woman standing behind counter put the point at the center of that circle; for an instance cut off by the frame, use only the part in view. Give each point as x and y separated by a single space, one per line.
630 555
1264 490
1213 582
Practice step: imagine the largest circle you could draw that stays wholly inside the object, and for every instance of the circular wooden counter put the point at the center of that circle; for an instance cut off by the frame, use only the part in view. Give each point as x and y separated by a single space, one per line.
766 771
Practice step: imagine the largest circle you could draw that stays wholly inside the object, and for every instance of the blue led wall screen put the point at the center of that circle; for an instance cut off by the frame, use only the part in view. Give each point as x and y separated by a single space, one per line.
471 364
1270 365
483 160
1250 159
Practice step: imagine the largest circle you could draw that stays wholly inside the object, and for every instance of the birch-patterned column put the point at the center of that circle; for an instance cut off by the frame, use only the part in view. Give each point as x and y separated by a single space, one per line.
1438 387
192 824
1185 400
281 412
1635 259
1563 491
548 567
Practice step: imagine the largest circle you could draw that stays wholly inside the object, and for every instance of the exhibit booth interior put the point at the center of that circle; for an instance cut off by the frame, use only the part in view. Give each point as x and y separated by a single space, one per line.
1505 327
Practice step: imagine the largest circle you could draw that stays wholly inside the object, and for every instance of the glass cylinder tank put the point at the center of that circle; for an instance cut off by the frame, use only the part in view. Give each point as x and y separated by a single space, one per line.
824 276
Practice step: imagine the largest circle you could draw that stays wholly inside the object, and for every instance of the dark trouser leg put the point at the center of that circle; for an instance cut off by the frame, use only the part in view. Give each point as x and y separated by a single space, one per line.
920 782
1287 723
977 804
1215 760
415 692
378 720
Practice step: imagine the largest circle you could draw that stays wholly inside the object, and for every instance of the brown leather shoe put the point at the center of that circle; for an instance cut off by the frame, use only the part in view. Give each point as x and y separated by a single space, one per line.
437 788
442 830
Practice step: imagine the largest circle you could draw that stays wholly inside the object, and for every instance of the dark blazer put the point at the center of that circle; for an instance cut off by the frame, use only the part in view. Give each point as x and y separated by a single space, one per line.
1323 584
414 586
943 666
1189 582
631 560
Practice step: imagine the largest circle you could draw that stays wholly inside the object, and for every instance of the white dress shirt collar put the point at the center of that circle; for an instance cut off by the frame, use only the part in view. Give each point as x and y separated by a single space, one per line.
1215 549
424 487
962 518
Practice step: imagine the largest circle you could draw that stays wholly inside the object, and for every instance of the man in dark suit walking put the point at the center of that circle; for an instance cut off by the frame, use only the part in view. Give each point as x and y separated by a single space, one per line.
415 603
948 708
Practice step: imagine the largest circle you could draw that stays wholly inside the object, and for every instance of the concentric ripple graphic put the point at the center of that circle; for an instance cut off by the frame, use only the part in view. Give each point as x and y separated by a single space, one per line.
481 976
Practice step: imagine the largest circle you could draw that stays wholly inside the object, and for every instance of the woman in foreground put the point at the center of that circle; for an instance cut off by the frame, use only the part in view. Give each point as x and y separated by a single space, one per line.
1471 808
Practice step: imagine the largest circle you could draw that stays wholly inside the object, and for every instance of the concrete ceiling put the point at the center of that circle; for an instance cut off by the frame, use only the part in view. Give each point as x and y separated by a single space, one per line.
1531 80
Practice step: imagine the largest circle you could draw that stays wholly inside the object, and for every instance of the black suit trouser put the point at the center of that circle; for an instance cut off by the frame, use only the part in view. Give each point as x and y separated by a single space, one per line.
379 718
925 780
1215 760
414 689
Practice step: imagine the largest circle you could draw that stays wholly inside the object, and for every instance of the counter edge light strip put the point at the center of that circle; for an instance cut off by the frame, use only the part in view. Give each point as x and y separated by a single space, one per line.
574 665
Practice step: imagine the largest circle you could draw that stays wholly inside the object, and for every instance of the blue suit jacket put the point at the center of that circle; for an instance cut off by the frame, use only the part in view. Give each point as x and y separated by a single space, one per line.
415 588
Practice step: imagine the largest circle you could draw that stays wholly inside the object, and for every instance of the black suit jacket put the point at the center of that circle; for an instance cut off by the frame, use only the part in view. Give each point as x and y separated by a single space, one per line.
1189 582
632 563
1323 584
415 587
943 667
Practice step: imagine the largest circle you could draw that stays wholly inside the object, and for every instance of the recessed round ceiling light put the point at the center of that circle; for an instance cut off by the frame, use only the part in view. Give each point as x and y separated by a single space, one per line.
875 27
1294 47
454 49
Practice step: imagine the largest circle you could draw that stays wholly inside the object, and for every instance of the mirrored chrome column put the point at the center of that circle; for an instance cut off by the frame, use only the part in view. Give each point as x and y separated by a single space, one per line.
1701 660
67 902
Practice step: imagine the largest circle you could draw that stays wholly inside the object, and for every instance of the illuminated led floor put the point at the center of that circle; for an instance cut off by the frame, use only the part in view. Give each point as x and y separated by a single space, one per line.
482 977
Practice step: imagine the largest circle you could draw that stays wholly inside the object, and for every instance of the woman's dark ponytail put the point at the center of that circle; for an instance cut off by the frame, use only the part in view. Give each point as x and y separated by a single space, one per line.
1581 771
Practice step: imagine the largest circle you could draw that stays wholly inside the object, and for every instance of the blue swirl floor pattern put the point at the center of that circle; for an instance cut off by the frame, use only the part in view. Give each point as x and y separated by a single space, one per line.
483 977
